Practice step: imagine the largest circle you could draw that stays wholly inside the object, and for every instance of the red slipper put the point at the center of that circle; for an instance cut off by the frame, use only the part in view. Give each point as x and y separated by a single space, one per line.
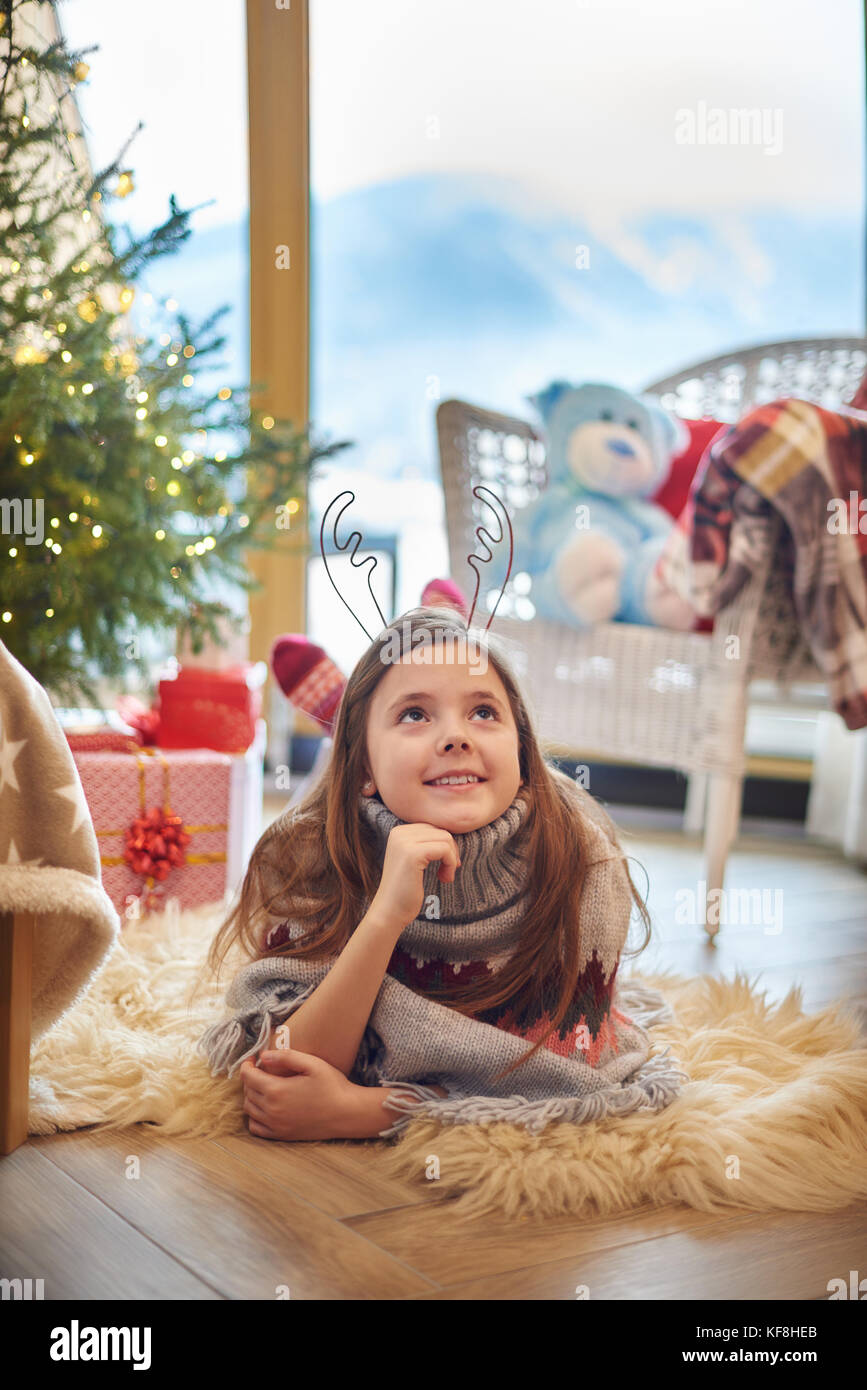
308 677
444 593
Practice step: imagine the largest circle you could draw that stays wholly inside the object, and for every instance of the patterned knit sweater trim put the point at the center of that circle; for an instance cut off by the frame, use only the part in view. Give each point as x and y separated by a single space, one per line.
488 896
598 1062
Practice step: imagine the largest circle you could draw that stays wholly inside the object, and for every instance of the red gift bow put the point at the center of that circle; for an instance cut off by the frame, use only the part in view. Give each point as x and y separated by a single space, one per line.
155 844
138 716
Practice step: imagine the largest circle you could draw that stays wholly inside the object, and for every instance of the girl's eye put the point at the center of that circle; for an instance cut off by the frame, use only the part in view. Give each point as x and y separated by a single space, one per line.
416 709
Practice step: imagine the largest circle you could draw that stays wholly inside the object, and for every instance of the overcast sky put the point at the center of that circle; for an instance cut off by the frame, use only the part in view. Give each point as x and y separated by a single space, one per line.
575 99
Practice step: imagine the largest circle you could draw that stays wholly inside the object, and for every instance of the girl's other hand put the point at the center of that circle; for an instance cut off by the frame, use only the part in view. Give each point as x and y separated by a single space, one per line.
294 1095
409 850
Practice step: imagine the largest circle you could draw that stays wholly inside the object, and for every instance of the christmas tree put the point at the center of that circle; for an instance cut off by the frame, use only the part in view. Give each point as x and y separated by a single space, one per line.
120 514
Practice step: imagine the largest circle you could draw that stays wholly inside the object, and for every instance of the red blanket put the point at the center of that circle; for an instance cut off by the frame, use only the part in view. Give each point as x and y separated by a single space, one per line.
809 466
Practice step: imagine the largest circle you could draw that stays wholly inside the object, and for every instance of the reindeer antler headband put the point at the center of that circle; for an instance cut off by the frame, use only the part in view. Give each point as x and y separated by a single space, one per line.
481 534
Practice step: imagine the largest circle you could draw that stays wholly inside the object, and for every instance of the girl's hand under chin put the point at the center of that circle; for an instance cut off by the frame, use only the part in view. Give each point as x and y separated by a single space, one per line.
294 1095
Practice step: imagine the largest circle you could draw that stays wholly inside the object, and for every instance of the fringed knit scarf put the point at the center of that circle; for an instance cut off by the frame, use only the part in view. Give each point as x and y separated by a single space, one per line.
597 1063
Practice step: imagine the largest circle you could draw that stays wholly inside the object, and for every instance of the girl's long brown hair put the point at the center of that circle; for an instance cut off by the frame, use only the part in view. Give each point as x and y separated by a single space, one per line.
316 863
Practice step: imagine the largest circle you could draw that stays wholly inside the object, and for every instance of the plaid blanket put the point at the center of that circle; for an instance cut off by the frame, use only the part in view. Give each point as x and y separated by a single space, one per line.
807 466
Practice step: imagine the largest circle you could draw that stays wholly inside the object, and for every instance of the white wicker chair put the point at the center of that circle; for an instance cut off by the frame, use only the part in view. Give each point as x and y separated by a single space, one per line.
647 695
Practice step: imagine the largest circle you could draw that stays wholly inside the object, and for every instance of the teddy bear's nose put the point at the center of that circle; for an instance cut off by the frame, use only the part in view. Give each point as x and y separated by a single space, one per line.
620 446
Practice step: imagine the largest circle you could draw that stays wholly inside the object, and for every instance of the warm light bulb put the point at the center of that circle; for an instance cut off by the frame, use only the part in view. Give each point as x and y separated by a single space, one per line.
97 530
268 422
161 441
187 380
87 388
141 413
173 488
188 456
159 535
171 359
66 355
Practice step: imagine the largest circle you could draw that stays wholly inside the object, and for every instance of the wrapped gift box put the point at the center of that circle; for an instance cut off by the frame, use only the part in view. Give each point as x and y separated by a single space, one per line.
215 708
218 797
97 731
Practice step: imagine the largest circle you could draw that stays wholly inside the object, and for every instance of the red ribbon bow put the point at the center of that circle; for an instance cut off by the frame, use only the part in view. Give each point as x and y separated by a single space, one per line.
155 844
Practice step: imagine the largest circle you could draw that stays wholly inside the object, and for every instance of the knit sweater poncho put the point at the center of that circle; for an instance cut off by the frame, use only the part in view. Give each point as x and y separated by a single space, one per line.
597 1063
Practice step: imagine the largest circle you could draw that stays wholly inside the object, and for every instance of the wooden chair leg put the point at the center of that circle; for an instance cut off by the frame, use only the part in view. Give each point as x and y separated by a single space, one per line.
16 992
725 790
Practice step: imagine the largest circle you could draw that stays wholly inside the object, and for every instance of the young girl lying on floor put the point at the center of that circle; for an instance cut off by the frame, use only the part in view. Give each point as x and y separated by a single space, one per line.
421 933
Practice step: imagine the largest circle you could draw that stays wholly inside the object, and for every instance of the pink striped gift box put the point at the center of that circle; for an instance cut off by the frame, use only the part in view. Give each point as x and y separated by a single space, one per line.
195 784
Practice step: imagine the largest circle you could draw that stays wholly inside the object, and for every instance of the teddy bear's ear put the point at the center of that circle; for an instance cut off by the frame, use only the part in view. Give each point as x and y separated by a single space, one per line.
670 429
544 401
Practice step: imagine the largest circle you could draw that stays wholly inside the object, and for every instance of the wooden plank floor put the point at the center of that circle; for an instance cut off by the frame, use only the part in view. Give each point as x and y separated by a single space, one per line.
241 1218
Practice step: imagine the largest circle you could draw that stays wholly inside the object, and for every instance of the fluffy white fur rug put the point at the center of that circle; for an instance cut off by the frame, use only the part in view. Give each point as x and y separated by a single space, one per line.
774 1117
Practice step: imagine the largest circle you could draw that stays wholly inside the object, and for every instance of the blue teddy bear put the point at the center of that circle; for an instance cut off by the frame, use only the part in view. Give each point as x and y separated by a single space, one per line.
590 541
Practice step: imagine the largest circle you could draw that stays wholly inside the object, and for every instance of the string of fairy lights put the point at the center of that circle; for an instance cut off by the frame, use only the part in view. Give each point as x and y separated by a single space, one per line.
127 363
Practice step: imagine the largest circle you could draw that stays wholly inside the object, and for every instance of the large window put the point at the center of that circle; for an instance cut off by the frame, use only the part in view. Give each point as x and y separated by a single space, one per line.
607 190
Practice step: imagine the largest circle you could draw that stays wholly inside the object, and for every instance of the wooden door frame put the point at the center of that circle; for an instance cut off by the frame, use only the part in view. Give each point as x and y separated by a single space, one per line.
279 192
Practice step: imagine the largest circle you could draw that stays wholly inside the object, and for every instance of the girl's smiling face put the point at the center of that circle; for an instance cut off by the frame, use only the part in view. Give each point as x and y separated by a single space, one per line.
431 719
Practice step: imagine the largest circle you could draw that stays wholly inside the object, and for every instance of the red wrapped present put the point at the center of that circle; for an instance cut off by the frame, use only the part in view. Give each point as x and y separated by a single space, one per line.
177 825
201 708
105 740
97 731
